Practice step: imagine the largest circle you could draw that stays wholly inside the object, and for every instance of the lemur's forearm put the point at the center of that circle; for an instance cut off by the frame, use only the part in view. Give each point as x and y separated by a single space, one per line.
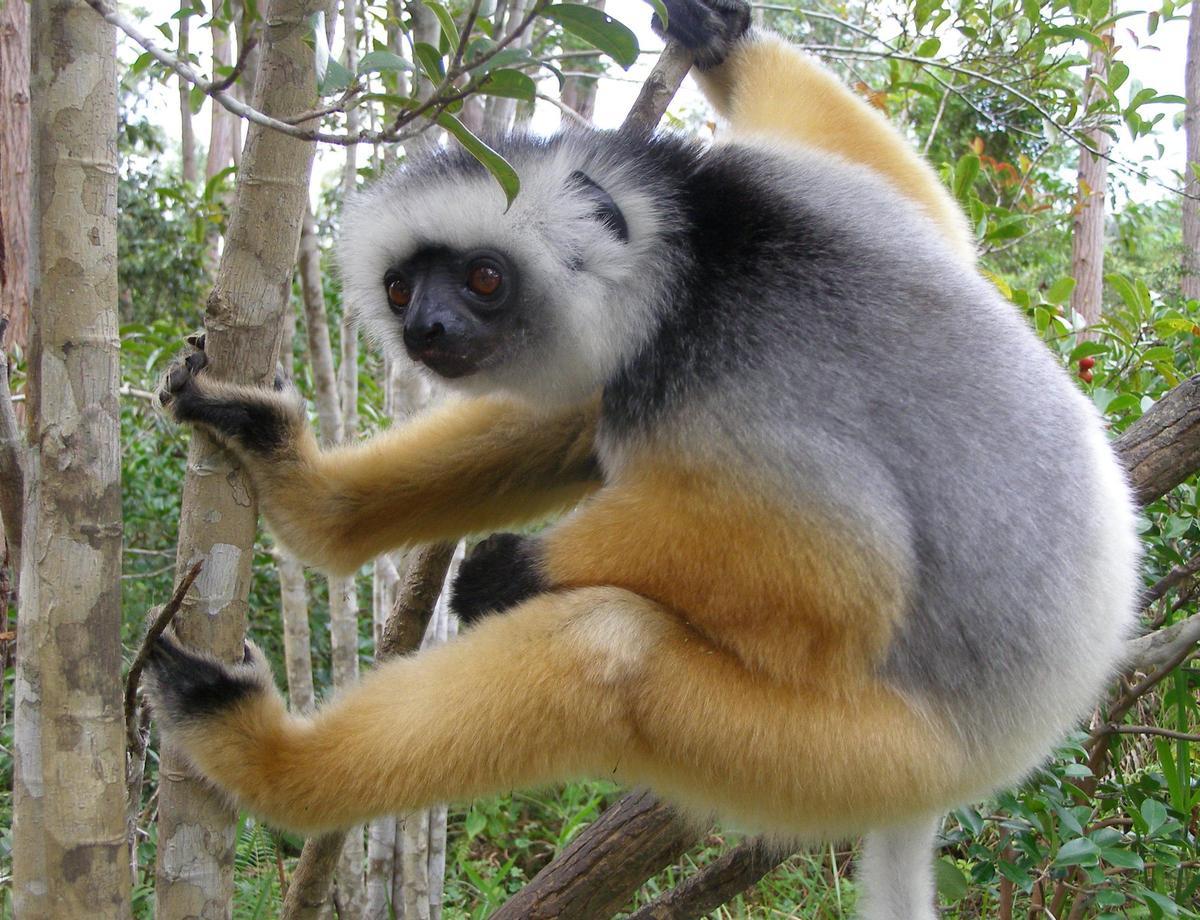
471 467
769 88
467 469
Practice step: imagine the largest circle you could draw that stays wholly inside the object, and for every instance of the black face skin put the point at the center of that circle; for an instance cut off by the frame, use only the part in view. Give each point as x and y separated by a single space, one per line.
457 308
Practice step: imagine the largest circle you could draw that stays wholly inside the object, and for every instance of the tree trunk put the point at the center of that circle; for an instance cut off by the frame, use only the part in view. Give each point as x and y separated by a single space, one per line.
70 856
196 829
343 602
1087 238
14 171
297 638
293 588
187 135
1191 184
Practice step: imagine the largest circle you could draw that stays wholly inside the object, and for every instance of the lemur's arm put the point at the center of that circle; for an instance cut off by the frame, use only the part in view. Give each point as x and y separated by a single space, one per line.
471 467
768 88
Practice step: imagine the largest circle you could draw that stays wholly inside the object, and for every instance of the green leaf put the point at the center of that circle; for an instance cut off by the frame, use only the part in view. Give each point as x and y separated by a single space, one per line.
430 60
337 78
381 61
1060 290
445 20
1125 289
1154 813
1118 73
1122 858
510 83
598 29
965 172
1078 852
499 167
660 9
951 883
929 47
1087 350
475 823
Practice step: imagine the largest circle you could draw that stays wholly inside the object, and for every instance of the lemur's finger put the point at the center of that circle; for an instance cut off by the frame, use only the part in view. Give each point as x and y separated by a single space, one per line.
196 340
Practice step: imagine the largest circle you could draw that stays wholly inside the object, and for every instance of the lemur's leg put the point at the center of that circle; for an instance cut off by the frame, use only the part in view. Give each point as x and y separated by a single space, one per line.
895 873
768 88
471 467
594 681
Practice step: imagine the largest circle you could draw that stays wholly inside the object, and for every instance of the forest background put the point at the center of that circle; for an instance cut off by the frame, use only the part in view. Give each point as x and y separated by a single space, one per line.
1047 123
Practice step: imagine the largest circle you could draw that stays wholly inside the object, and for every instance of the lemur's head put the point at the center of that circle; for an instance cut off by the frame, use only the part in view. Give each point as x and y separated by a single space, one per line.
542 300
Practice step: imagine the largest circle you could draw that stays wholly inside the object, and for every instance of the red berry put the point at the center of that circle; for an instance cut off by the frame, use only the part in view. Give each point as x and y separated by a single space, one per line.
1086 364
1085 376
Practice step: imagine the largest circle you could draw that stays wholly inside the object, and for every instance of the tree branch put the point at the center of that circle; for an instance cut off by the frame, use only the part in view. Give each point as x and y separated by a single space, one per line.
718 882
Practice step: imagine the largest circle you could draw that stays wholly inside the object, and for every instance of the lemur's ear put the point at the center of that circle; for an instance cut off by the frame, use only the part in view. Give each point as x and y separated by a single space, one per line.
605 209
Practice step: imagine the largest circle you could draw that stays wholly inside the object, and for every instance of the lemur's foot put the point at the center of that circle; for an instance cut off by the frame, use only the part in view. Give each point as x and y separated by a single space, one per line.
499 573
707 28
260 420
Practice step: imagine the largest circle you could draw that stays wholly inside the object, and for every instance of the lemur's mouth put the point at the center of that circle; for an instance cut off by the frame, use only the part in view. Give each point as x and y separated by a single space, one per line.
446 364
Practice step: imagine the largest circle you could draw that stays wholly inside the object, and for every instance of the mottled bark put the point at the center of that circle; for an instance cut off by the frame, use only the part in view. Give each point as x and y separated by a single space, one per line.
297 637
14 170
1087 225
1191 177
218 517
70 855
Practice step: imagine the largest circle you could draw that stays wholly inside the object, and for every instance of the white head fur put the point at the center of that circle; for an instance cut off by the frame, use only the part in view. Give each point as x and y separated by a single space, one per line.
589 297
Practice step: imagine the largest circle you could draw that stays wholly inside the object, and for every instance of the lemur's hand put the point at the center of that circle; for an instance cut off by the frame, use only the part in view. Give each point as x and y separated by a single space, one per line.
256 420
707 28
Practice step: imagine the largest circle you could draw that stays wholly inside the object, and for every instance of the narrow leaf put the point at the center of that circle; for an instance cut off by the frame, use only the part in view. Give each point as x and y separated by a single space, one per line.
499 167
445 20
430 60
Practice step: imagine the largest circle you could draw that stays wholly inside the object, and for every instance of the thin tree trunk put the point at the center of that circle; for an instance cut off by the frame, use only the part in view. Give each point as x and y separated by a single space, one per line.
1087 238
70 854
195 828
293 588
14 170
1191 185
220 134
187 134
316 326
297 638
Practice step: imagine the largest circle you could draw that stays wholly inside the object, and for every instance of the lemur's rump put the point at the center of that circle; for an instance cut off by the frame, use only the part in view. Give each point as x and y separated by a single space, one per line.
822 571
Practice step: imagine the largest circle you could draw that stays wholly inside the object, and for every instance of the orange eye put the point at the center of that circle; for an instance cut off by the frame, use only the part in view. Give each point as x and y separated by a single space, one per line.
484 280
399 292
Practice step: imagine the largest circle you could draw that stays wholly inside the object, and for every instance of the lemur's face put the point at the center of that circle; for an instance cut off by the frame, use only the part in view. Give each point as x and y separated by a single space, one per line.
457 309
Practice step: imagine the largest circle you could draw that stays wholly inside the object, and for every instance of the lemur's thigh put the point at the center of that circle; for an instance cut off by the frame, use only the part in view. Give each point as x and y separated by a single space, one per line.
592 681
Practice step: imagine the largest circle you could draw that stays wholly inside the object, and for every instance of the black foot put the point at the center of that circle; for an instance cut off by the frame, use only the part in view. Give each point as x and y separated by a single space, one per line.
499 573
707 28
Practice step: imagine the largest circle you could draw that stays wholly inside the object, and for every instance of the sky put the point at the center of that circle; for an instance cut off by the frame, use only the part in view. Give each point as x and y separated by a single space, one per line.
1156 61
